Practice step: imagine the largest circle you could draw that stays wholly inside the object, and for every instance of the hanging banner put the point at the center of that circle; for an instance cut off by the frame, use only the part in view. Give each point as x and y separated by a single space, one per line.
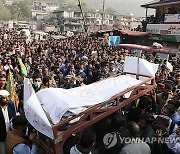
172 19
114 40
10 24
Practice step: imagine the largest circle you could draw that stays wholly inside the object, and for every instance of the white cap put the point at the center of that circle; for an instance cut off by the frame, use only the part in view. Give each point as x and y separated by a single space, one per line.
122 61
85 57
4 93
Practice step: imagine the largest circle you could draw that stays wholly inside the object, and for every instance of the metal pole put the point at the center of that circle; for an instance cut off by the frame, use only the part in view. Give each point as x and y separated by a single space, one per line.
84 22
103 15
146 13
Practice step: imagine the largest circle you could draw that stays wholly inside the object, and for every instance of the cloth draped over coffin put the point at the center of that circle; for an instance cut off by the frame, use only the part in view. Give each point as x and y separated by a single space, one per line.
57 101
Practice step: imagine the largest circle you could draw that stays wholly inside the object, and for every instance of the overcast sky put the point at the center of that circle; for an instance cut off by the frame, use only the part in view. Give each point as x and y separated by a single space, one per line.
123 6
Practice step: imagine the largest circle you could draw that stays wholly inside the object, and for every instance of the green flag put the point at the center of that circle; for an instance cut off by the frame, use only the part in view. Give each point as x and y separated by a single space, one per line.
23 68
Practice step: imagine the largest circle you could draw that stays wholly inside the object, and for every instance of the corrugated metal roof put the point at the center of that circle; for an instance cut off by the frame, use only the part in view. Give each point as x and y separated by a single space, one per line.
160 3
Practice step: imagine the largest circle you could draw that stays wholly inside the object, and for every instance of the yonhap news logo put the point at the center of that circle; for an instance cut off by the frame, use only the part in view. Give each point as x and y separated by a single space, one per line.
148 140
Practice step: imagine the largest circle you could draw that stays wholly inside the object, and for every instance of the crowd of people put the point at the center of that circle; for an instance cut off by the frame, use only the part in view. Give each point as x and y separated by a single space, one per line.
77 61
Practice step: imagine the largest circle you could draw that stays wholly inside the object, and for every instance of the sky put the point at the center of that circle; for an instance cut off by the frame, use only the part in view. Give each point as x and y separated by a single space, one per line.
123 6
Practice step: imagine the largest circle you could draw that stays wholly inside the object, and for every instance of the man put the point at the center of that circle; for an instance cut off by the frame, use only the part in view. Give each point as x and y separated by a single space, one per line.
37 81
8 65
7 112
169 110
17 142
174 144
65 67
47 82
133 131
164 97
146 131
160 128
2 81
145 123
85 143
109 138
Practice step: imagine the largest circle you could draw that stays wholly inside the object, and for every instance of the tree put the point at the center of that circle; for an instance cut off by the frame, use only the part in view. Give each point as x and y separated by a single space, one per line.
21 10
5 14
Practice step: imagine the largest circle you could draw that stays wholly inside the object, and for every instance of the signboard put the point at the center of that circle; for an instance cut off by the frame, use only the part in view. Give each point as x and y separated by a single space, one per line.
172 18
163 28
170 38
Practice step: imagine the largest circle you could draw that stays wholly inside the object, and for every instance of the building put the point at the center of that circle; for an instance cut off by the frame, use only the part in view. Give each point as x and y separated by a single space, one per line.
96 22
8 3
165 26
41 10
136 22
69 20
123 21
72 20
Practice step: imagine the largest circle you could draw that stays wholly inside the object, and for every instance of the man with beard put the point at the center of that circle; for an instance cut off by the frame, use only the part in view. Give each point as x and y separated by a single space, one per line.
17 141
7 112
145 123
164 97
146 131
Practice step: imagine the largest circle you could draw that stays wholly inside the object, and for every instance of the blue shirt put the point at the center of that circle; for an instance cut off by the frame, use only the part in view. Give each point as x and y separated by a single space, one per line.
25 149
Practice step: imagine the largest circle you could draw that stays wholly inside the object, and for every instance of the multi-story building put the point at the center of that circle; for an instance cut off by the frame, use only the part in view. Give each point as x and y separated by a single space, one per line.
69 20
8 3
42 9
136 22
165 26
123 21
96 21
72 20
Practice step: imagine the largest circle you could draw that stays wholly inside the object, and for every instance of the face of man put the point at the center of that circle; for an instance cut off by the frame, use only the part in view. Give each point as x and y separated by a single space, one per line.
167 92
2 82
3 101
178 79
142 124
37 80
159 125
164 111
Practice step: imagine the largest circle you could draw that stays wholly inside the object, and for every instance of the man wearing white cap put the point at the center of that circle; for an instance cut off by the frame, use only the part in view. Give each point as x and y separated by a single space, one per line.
7 112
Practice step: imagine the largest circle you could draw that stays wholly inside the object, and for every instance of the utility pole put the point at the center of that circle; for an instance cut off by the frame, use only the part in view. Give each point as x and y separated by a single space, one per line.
84 22
103 15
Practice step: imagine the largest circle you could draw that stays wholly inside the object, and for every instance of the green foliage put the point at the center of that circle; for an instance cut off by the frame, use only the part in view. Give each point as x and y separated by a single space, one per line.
21 10
4 13
18 11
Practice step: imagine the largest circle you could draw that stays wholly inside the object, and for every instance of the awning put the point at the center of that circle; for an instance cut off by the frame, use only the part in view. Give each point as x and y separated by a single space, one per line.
133 33
161 3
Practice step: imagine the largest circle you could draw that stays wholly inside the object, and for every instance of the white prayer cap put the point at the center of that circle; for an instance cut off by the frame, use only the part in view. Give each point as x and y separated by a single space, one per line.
4 93
85 57
122 61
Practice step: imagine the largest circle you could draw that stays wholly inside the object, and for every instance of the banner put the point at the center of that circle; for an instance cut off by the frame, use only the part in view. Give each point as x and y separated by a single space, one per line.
10 24
11 88
56 101
169 66
114 40
172 18
145 68
163 28
34 111
23 68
